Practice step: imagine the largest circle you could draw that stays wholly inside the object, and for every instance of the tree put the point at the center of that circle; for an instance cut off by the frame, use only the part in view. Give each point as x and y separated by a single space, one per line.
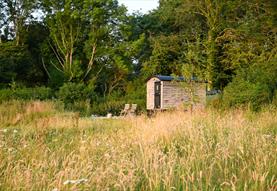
36 40
16 63
193 71
15 14
64 24
212 12
90 40
253 86
177 26
166 51
248 36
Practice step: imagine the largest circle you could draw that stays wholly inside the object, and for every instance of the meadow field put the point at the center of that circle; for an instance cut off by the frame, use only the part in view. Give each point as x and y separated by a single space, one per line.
43 147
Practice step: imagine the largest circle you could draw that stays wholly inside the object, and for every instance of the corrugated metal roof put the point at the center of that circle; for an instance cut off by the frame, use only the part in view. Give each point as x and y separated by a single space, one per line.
169 78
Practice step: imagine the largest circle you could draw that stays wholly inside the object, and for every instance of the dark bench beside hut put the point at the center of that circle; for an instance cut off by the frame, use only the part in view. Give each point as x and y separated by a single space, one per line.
165 92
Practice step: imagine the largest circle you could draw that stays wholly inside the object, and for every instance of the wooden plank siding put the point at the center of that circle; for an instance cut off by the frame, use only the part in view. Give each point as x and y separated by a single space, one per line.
173 95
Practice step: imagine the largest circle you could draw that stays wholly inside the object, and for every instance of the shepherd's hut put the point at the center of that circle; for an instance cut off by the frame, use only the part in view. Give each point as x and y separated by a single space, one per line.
165 92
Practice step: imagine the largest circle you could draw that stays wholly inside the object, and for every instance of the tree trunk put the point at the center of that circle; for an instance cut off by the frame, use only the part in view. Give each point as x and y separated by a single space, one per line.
211 57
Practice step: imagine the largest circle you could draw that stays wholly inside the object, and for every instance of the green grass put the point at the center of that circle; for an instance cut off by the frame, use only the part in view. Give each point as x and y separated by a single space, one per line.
41 147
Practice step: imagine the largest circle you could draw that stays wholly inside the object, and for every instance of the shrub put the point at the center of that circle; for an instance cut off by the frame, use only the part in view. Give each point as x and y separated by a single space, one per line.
77 97
70 93
242 93
111 106
38 93
115 106
83 107
136 93
82 98
274 101
254 86
214 101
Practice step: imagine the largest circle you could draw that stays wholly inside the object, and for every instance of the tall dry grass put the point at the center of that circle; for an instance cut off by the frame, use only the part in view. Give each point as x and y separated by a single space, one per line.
42 148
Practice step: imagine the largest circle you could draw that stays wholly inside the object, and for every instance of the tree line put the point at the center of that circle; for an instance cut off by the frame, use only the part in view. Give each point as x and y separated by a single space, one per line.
230 44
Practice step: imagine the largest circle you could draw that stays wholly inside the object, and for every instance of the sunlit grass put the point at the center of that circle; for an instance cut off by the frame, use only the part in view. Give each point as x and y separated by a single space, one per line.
44 148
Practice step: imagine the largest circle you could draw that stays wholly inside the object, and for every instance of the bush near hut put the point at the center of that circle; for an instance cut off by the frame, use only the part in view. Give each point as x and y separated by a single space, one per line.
115 102
253 87
82 98
246 93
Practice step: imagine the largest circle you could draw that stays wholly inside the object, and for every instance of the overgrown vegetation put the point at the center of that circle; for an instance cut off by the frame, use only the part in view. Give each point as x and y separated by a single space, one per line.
254 86
64 60
42 147
38 93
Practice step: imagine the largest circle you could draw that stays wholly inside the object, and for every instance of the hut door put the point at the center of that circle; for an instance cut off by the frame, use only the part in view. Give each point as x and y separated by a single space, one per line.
157 95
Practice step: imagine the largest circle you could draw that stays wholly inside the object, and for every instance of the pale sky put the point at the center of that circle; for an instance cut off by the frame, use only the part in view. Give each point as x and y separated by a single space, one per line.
140 5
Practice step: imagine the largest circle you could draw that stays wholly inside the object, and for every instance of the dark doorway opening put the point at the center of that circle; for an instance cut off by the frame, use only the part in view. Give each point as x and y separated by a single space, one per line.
157 99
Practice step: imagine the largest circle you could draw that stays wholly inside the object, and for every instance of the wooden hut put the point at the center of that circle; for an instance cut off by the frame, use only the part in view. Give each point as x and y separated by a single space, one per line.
165 92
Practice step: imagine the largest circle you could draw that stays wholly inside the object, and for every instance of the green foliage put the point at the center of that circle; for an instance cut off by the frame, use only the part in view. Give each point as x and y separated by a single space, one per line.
15 14
274 101
115 102
87 40
77 97
73 92
23 63
81 106
111 106
253 86
136 94
16 62
241 93
56 79
38 93
214 101
165 56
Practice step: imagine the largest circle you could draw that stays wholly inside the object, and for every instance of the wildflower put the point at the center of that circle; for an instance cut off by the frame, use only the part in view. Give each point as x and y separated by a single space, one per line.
201 174
241 149
83 180
267 136
4 130
15 131
67 182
